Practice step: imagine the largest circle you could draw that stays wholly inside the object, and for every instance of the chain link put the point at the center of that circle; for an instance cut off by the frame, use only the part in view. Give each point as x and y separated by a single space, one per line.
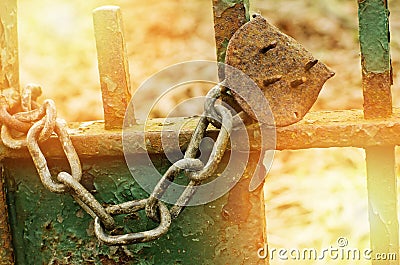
40 122
28 97
86 199
197 177
133 238
8 120
40 161
187 164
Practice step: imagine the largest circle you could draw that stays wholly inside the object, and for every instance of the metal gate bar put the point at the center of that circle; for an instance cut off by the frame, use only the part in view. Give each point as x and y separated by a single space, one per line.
113 65
322 129
376 83
9 78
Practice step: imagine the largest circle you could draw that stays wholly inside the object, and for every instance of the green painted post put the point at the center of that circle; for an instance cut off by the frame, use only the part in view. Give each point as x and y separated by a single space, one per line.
375 57
376 82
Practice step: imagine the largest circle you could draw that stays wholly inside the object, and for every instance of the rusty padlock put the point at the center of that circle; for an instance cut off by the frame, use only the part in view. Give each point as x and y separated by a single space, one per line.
288 75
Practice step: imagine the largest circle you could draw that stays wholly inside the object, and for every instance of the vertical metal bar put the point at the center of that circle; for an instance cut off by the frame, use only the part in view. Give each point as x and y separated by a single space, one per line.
9 83
228 18
113 64
382 194
375 57
9 72
376 82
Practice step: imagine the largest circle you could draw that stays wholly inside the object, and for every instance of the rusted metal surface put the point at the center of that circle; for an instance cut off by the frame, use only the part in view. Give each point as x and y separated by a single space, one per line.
228 18
9 74
290 77
377 95
6 247
10 121
380 160
113 64
317 130
291 86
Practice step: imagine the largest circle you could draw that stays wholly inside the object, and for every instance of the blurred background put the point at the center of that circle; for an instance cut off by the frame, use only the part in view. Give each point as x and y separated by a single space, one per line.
312 197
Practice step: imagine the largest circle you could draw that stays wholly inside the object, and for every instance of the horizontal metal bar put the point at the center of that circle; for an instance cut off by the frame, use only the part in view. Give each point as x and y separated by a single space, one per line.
317 130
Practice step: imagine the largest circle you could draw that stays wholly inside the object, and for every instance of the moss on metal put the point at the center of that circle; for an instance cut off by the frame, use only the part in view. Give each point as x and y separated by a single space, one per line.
374 38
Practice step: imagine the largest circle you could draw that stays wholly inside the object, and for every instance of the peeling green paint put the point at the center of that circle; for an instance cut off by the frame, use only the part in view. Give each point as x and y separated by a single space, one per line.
373 33
221 53
50 228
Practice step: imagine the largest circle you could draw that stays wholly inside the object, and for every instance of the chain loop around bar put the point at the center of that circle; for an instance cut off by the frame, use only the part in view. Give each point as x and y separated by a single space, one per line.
47 112
40 161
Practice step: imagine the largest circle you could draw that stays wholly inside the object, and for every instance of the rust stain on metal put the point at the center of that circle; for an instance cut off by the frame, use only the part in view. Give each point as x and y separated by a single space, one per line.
241 214
228 18
239 207
377 95
290 77
6 247
113 64
226 23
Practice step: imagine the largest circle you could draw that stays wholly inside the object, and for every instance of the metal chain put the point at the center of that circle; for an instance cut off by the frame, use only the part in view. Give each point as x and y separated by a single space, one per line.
40 122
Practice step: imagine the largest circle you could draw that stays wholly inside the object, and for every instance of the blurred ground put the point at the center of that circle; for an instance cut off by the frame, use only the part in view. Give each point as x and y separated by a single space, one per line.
313 197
